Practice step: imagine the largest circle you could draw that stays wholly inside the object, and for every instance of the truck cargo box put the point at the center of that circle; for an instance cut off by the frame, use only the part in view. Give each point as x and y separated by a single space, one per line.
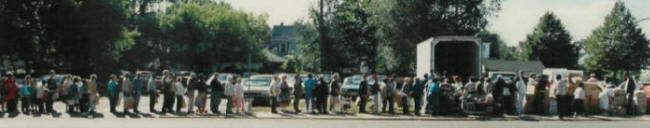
457 55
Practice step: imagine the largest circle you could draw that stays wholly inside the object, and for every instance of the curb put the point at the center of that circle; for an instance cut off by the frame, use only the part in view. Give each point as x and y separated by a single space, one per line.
418 118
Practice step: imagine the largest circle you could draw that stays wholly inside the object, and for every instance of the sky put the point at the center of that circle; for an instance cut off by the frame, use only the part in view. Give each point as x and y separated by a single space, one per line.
516 19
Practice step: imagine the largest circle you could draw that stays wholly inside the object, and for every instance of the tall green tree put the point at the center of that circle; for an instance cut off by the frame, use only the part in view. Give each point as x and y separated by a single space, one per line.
203 36
408 22
550 43
617 46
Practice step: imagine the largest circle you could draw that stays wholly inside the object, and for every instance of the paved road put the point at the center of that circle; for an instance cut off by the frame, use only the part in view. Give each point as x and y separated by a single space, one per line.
276 123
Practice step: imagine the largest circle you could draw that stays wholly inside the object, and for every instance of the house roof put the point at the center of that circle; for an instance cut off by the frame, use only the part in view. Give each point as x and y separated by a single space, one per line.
513 66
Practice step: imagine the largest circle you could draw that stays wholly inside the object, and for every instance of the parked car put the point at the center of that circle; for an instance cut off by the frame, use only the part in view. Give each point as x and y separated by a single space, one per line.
507 76
351 84
257 87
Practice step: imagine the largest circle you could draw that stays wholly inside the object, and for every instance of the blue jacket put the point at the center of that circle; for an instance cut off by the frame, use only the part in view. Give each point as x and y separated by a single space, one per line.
309 86
434 88
138 85
112 87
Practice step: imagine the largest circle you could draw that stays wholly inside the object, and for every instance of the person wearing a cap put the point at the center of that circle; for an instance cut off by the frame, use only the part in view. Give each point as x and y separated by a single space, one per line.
11 89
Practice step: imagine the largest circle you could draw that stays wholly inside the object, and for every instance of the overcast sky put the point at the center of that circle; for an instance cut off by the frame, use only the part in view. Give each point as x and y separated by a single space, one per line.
516 19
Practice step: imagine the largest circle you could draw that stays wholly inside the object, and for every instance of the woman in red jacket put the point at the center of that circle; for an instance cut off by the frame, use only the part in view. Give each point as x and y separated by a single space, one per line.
12 92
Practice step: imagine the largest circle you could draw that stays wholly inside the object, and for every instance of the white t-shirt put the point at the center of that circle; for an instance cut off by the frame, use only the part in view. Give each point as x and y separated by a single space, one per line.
579 94
180 90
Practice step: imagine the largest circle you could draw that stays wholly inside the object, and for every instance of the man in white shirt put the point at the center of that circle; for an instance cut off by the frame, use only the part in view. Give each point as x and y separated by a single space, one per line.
521 93
274 92
562 95
579 100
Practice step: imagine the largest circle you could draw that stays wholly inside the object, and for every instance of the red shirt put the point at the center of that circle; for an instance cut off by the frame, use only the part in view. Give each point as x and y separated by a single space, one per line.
11 87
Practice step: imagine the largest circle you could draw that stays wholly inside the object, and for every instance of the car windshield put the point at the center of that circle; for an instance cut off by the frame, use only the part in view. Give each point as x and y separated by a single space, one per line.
355 80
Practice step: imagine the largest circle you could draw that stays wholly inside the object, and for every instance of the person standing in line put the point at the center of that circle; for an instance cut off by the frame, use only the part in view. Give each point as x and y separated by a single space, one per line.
228 92
298 91
93 94
407 89
138 86
238 96
540 94
629 85
180 91
321 93
152 88
418 93
37 100
82 88
11 89
579 100
26 95
201 87
561 91
309 93
432 96
274 92
521 92
127 92
285 93
216 90
335 92
375 94
363 94
168 90
112 90
191 83
391 87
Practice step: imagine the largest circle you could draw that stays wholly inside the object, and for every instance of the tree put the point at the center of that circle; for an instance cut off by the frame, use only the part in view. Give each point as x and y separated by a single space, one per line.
346 35
618 45
308 48
408 22
203 36
550 43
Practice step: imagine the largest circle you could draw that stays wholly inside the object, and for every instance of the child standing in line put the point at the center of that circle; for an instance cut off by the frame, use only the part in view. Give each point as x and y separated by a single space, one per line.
239 97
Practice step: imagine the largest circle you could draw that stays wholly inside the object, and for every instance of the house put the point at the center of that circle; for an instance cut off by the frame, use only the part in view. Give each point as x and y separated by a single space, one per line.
283 40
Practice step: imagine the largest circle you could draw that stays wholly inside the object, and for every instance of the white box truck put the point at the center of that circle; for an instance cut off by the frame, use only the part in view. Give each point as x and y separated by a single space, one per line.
456 55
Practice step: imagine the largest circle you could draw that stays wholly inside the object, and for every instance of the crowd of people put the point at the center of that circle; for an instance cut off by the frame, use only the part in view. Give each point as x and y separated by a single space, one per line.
451 95
432 94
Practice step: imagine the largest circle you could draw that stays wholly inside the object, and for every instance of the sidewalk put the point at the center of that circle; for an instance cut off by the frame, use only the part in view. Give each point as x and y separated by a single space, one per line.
267 115
104 113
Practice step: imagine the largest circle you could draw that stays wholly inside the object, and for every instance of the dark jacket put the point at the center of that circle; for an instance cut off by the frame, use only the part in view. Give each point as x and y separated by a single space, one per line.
335 88
363 88
215 85
418 88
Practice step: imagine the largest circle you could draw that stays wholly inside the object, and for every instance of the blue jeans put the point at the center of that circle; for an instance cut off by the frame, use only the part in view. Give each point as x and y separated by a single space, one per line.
215 101
431 103
308 101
